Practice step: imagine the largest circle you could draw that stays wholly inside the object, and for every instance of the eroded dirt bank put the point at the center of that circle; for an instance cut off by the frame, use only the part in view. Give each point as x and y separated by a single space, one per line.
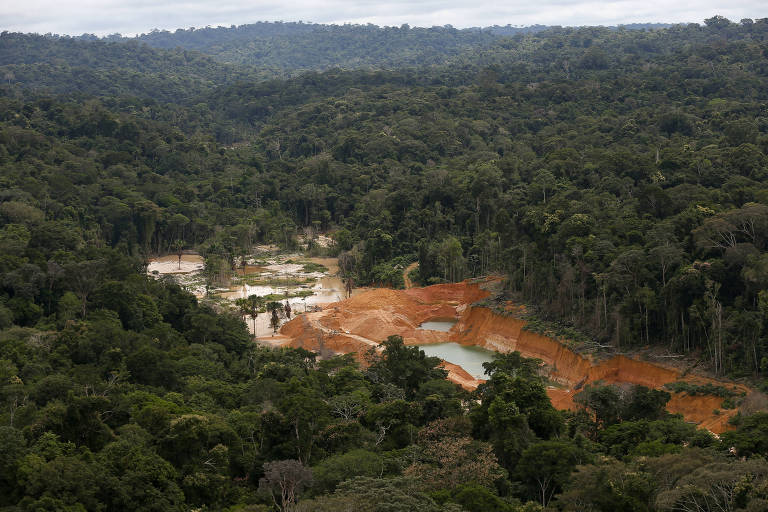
361 322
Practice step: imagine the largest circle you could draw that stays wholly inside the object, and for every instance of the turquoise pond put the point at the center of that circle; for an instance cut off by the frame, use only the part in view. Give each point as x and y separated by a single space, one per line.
468 357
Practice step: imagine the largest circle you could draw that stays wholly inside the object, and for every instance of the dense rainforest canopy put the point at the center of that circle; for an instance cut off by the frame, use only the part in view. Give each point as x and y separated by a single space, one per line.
616 178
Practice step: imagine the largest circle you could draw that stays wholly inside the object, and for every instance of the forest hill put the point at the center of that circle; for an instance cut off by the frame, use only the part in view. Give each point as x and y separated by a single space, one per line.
614 179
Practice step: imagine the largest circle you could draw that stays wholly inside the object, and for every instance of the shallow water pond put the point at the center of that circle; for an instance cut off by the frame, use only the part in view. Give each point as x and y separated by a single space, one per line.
309 281
468 357
438 325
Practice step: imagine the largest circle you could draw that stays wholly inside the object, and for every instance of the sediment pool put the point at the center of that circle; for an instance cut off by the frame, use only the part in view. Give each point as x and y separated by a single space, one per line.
469 357
438 325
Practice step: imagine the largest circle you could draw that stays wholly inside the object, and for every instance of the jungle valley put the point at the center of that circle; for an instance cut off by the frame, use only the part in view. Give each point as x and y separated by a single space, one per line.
225 252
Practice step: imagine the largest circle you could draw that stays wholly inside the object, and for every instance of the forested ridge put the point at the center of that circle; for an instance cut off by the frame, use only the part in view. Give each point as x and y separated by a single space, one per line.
615 178
48 65
289 47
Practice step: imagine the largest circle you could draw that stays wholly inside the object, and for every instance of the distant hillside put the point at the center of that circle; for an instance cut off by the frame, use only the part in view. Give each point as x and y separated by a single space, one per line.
177 66
301 46
64 65
291 47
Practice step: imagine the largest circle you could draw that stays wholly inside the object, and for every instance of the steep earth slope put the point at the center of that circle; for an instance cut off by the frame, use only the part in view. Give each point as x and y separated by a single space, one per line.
361 322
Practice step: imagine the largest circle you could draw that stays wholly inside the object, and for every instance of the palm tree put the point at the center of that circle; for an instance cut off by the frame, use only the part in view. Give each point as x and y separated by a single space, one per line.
243 307
255 304
250 306
178 247
275 308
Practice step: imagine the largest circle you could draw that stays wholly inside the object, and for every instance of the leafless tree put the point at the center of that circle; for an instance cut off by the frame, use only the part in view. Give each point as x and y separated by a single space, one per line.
285 479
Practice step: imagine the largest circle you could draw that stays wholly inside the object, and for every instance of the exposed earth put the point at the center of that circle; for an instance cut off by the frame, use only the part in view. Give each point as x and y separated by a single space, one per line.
287 278
364 320
361 322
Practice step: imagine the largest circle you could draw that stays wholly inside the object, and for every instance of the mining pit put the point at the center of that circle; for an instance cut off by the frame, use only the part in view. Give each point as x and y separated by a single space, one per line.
361 322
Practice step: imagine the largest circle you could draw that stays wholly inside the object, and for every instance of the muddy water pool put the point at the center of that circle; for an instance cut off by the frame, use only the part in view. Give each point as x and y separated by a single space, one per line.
468 357
284 275
323 290
438 325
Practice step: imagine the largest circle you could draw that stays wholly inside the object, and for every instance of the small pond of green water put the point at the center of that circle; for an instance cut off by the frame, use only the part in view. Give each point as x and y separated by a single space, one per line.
468 357
438 325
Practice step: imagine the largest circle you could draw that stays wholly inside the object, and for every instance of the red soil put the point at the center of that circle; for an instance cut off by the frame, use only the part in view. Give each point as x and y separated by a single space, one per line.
361 322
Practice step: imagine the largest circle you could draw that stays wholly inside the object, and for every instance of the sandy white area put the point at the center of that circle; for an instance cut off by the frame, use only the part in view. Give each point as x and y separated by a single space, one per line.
324 241
285 268
170 264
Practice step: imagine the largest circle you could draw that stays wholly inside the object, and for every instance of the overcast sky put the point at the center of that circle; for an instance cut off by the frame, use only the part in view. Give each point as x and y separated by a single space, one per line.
130 17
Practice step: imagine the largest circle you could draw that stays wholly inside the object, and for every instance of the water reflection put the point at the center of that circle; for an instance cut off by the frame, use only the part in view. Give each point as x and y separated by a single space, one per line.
470 358
438 325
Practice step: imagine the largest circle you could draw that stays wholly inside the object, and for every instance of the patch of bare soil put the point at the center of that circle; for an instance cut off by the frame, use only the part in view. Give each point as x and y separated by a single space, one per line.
366 319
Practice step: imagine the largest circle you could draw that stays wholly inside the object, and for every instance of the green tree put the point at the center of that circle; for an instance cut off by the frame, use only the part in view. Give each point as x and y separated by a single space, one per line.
340 468
606 486
375 495
140 479
405 367
546 466
13 447
751 437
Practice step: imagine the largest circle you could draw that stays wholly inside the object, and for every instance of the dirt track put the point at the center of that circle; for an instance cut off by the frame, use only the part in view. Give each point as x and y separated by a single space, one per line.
363 321
406 279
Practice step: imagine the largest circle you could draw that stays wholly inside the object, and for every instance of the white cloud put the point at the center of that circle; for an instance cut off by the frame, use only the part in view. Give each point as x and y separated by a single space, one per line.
136 16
